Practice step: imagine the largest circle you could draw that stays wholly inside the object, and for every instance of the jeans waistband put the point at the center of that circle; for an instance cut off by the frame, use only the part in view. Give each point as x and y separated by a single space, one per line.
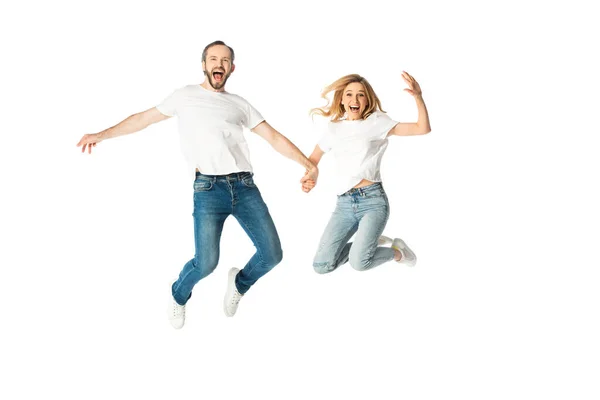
236 176
376 187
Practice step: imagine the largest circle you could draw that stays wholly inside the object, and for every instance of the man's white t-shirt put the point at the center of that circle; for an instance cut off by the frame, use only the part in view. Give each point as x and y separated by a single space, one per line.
211 128
358 148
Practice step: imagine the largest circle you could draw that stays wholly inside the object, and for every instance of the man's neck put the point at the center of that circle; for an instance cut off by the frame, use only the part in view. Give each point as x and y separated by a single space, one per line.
206 85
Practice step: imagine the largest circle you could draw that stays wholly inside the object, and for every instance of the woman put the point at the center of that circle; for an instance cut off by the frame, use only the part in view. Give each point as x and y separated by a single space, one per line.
357 136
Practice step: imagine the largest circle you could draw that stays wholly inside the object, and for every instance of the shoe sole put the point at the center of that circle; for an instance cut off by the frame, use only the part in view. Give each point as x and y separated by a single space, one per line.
406 248
170 310
230 282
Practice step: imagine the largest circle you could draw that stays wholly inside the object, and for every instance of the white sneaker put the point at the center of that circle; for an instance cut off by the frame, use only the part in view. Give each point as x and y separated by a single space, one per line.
232 296
408 257
176 314
384 241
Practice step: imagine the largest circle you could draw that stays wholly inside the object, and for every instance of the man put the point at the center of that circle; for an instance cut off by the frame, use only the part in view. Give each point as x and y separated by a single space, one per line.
211 123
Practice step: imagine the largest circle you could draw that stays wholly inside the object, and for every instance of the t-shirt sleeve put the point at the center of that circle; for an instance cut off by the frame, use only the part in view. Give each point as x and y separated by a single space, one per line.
252 116
383 125
170 105
325 142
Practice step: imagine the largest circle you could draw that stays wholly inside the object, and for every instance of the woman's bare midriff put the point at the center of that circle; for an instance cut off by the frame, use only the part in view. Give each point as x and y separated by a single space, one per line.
363 183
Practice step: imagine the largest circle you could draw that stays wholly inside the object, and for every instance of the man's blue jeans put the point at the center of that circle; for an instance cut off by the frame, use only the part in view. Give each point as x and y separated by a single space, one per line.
215 198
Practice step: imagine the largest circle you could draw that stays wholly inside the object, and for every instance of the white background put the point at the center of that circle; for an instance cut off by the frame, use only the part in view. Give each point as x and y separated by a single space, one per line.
499 202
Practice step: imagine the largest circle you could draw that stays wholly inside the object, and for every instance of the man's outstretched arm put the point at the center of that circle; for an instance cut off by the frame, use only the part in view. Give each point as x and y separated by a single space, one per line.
131 124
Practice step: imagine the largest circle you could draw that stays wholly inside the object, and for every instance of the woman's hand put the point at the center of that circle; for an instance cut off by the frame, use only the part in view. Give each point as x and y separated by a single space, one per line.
413 86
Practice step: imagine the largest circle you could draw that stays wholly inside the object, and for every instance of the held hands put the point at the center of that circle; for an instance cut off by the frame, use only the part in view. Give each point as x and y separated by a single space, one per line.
413 86
309 180
88 141
308 185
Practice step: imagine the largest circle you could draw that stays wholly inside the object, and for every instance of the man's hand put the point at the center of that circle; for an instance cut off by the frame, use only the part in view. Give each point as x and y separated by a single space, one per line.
309 180
308 185
88 141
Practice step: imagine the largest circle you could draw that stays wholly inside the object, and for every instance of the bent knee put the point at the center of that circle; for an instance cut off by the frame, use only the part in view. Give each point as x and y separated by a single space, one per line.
322 267
273 257
205 265
360 265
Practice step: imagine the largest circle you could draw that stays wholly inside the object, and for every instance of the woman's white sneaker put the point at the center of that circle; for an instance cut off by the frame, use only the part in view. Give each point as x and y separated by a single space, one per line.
384 241
408 257
232 296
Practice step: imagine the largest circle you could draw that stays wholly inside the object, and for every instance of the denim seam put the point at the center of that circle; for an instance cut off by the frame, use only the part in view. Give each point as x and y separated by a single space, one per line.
231 187
347 239
374 249
253 237
177 289
336 262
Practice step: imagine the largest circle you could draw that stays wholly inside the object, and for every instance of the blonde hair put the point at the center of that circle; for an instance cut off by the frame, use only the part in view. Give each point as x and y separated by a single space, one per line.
335 109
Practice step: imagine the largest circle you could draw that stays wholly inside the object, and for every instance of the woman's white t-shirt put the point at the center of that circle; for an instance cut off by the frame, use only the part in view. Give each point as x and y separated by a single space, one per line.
211 128
358 148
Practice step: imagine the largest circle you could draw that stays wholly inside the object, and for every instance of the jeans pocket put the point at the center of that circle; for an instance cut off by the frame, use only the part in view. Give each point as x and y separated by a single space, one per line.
379 192
248 181
202 185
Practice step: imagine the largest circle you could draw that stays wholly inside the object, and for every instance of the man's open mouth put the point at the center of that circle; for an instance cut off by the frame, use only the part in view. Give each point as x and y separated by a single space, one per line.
218 76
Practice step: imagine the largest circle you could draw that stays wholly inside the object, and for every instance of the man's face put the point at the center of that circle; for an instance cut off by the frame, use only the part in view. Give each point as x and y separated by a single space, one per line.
218 66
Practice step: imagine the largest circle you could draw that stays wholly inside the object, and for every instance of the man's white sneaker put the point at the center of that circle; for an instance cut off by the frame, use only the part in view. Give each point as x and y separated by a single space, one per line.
384 241
232 296
176 314
408 257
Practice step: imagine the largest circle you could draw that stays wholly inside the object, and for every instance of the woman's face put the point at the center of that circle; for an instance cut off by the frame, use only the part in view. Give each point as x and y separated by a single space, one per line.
354 99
